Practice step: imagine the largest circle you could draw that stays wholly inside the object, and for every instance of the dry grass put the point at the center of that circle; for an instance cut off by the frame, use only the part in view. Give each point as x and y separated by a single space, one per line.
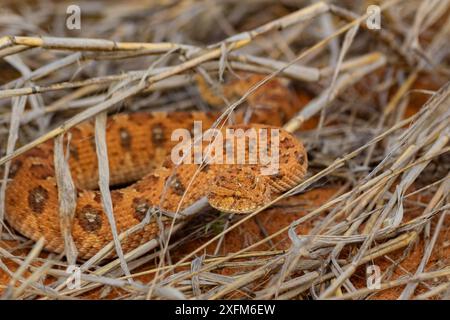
376 128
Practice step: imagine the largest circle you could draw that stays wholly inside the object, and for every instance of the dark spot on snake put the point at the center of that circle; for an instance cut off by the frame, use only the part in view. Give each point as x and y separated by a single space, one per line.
74 152
37 153
167 163
116 196
176 185
76 133
125 138
158 134
37 199
15 166
98 197
152 178
140 207
41 171
288 143
11 201
89 218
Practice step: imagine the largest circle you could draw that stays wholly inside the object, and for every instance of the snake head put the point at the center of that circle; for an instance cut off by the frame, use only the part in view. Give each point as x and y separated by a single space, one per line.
244 188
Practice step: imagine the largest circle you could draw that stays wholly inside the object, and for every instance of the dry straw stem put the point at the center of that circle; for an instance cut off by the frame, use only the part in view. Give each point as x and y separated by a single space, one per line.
86 44
442 288
443 273
66 197
296 72
103 171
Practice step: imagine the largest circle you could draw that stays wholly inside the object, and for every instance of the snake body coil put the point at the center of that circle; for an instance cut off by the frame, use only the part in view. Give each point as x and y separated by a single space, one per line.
139 147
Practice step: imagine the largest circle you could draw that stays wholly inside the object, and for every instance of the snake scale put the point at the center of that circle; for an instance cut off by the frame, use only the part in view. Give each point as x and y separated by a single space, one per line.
139 146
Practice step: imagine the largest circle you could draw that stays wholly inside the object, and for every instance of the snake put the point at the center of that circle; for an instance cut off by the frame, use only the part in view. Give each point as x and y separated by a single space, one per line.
142 176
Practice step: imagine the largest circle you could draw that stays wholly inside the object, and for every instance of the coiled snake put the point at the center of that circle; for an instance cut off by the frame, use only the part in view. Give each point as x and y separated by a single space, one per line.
139 148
